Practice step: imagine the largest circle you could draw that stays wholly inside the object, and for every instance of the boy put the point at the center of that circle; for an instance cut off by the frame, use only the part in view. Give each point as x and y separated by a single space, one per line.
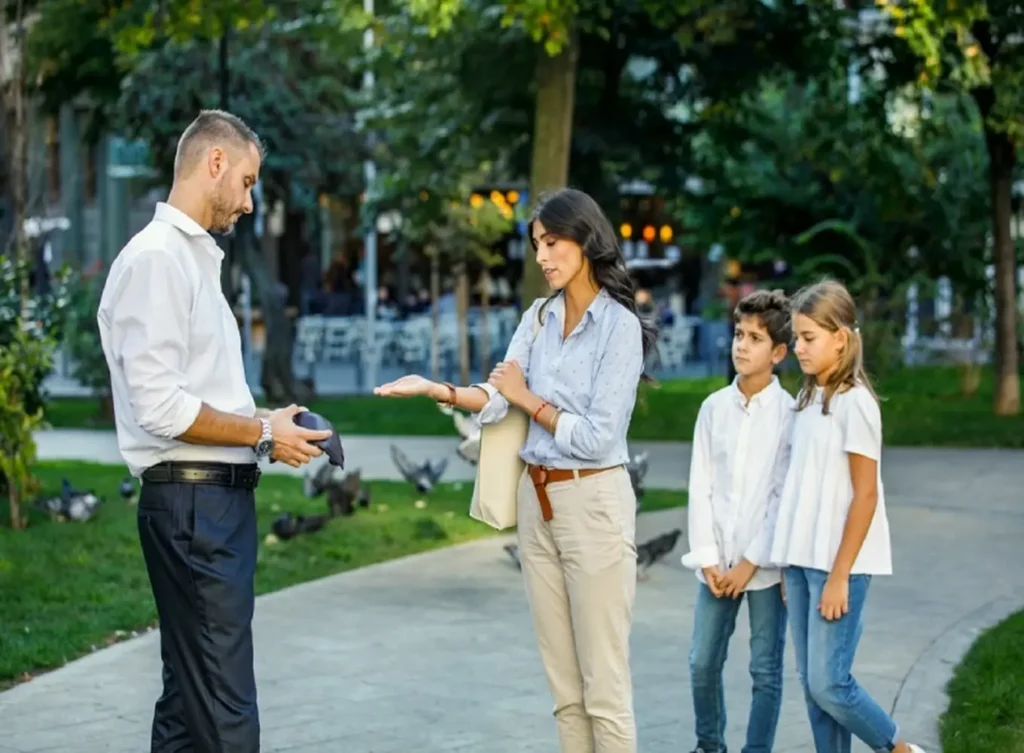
739 462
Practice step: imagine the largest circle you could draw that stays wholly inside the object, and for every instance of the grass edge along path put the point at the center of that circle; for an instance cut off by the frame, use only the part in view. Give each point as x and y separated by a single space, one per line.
986 693
67 589
922 407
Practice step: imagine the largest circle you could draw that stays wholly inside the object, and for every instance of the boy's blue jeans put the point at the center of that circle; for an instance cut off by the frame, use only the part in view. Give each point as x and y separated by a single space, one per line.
713 625
837 705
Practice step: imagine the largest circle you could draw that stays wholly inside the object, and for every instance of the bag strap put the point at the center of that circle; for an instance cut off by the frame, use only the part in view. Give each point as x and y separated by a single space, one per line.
539 319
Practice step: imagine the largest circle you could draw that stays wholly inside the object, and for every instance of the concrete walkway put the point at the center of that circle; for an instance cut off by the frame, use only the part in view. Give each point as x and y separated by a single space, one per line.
435 652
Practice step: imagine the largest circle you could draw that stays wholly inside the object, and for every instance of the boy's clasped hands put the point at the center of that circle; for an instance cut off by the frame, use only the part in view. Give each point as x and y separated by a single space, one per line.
732 582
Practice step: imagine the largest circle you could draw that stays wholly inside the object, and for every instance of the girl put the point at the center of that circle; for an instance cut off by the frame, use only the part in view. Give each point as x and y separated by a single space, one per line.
577 378
832 533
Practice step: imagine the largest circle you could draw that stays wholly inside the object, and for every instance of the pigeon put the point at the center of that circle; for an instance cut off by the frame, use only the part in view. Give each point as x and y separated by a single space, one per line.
71 504
288 526
319 476
344 491
468 426
653 550
637 468
513 552
341 498
127 489
423 477
363 498
82 507
332 445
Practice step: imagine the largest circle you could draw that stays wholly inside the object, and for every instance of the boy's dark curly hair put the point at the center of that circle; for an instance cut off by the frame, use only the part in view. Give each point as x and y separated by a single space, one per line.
772 309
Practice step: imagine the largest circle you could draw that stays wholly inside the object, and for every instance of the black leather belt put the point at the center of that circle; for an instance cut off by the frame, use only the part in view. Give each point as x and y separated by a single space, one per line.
221 474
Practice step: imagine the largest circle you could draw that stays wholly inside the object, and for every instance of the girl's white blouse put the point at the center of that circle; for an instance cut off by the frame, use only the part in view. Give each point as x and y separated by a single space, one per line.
818 489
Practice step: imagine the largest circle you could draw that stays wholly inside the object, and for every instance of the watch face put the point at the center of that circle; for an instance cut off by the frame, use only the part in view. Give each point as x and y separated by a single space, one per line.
264 447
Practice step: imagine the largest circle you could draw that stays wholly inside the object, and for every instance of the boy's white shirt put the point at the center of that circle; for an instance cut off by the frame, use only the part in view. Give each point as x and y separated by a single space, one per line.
738 465
818 490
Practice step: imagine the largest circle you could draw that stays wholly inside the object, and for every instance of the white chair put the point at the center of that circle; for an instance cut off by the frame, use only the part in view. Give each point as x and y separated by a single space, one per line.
309 340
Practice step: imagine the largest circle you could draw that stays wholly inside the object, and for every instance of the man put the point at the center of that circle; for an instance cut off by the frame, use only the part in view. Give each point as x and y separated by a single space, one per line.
187 424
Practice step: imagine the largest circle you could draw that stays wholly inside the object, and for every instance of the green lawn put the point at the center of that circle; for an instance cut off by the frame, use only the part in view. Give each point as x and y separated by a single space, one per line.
986 694
65 587
923 407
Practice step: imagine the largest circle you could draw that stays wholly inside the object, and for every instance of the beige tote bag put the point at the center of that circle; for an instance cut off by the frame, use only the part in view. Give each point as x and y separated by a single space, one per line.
496 488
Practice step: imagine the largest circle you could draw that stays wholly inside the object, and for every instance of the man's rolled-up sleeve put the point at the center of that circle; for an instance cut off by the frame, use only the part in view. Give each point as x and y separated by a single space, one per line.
149 315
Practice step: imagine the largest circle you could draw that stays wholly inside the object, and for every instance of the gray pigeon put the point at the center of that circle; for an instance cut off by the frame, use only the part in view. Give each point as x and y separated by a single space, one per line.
71 504
655 549
637 467
424 477
468 426
127 489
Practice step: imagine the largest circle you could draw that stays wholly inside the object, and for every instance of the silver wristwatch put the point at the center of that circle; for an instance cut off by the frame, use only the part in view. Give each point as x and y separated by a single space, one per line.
265 445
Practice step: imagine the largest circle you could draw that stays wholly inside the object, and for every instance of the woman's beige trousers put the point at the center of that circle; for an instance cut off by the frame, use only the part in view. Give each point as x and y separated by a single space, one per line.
579 570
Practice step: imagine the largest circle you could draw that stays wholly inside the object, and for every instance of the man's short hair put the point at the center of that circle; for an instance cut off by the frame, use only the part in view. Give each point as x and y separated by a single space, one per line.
210 127
771 307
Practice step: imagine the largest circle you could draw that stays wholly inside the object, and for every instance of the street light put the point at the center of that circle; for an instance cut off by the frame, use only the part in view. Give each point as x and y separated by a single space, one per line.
370 241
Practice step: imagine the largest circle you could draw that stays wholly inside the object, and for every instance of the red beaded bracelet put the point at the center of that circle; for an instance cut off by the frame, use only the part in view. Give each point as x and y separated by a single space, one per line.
543 405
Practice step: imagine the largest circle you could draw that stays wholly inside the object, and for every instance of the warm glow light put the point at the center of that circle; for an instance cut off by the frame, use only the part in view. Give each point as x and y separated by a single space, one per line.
513 197
626 230
649 233
665 233
476 201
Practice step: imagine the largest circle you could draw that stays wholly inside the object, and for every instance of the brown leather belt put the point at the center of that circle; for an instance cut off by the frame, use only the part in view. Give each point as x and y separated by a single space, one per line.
542 476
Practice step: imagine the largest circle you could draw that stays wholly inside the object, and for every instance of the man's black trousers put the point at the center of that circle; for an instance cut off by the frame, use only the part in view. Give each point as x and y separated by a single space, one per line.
199 542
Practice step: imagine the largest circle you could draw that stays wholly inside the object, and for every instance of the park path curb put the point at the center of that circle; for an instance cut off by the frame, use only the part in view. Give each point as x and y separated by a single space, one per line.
922 697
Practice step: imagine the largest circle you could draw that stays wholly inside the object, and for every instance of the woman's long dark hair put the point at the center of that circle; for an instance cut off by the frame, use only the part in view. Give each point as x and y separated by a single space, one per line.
573 215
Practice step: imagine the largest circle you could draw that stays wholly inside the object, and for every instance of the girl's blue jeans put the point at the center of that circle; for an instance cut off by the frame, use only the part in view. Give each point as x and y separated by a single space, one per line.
838 707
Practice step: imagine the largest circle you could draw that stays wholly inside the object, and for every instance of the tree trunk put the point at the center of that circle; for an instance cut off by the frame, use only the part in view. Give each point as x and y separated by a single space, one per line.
1001 162
14 503
484 341
552 140
105 414
19 158
277 375
461 314
967 358
435 317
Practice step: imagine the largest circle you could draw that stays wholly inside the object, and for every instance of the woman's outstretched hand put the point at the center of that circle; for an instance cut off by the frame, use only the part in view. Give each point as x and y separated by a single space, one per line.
412 385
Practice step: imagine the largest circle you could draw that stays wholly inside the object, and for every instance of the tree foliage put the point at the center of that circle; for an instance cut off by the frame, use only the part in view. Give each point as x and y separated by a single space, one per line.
791 156
292 82
29 332
977 47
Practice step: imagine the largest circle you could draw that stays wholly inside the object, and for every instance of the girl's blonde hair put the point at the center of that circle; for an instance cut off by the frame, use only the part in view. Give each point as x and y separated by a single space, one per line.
829 304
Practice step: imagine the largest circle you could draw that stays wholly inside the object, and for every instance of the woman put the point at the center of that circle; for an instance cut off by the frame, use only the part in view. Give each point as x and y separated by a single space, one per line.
577 379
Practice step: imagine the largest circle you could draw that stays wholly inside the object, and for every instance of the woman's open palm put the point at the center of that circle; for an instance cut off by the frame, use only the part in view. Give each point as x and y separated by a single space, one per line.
411 385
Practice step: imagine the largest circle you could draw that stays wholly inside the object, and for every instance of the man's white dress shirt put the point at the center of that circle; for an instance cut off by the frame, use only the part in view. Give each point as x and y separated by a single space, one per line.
819 488
171 342
739 462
